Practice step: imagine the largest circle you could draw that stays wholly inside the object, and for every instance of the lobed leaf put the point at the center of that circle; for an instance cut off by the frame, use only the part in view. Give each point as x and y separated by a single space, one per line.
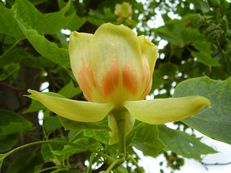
214 122
183 143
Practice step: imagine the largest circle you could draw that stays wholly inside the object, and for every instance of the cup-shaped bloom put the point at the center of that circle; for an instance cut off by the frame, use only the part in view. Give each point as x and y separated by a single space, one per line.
113 65
114 68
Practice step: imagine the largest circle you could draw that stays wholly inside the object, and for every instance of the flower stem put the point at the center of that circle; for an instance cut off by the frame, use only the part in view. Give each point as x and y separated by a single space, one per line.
120 119
116 162
139 170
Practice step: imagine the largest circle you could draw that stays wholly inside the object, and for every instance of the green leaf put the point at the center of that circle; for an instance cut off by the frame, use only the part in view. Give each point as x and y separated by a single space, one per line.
51 123
160 111
183 143
204 53
46 150
214 122
12 123
81 145
70 90
43 23
74 125
99 135
72 109
8 24
7 142
163 69
205 58
25 162
147 140
178 34
76 23
46 48
22 56
8 70
13 55
34 107
46 153
2 157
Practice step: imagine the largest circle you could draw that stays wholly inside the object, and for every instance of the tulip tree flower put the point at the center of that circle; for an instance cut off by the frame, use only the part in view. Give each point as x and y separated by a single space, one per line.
114 68
123 10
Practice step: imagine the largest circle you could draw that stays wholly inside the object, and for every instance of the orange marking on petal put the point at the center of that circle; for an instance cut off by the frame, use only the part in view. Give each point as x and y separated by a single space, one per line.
129 79
86 80
111 79
90 76
84 85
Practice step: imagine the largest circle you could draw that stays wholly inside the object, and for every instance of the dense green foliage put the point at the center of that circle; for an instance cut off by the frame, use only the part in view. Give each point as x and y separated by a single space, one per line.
33 51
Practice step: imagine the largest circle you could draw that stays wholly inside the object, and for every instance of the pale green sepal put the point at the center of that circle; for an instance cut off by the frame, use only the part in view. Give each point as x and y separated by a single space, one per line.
114 134
116 117
71 109
160 111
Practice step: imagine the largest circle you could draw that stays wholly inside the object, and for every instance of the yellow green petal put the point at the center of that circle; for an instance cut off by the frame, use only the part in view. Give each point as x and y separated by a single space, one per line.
78 50
149 51
160 111
72 109
114 42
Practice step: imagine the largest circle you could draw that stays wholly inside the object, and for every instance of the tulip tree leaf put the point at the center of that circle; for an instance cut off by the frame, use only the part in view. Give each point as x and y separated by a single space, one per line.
51 123
44 47
205 58
30 160
2 157
214 122
81 145
12 123
8 24
180 35
46 152
164 69
186 145
99 135
70 90
177 33
43 23
7 142
34 107
147 140
46 149
9 70
203 53
75 125
14 55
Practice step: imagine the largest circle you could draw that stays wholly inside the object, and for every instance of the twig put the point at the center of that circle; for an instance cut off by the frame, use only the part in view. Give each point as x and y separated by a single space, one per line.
214 164
13 87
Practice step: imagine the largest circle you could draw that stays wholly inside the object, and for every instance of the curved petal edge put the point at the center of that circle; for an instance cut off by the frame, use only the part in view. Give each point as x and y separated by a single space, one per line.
71 109
160 111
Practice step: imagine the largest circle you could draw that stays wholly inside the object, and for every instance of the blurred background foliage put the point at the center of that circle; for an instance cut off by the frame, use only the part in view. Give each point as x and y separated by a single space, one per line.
193 37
